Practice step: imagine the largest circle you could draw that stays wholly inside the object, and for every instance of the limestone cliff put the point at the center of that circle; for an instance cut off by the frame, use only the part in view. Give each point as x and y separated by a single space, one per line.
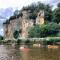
21 24
40 18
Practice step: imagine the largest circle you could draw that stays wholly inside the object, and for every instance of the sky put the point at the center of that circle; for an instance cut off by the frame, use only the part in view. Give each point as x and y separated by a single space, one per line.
20 3
8 6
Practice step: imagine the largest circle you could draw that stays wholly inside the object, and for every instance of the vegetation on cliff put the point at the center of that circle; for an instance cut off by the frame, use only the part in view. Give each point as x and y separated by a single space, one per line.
52 20
1 37
16 34
50 15
50 29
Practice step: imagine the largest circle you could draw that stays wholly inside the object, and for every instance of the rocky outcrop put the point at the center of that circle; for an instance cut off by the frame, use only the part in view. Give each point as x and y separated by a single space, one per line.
22 24
40 18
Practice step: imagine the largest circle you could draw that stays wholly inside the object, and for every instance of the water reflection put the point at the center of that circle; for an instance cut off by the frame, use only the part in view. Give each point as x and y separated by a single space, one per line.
7 52
24 52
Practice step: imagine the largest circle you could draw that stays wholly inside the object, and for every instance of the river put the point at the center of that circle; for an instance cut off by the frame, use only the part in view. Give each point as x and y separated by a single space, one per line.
8 52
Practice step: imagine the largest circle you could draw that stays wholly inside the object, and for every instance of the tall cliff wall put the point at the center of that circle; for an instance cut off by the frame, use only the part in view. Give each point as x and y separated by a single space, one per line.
21 24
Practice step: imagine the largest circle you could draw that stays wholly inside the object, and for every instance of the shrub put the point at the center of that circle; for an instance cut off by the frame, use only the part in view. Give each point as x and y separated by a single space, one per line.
27 42
16 34
19 41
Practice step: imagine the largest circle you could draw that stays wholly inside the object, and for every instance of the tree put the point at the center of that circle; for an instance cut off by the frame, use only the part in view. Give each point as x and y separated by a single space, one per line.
58 5
16 34
12 17
32 16
16 12
50 29
35 8
56 14
1 37
34 31
48 13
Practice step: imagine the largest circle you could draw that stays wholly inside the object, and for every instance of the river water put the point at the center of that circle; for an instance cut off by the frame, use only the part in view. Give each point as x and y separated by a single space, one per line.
8 52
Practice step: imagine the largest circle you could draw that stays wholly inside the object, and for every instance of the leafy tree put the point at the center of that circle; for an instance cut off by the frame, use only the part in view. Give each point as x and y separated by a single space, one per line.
12 17
35 8
40 6
19 41
16 34
58 5
34 31
50 29
48 13
56 14
16 12
32 16
1 37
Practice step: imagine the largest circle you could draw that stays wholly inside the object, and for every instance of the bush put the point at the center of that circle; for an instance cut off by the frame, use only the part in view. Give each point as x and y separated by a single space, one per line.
37 31
16 34
27 42
53 40
32 16
19 41
1 37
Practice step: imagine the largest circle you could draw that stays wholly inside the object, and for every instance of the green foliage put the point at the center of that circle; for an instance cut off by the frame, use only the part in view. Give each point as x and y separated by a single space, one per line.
48 13
53 39
56 14
16 12
27 42
58 34
16 34
19 41
20 15
52 29
34 31
32 16
58 5
12 17
35 8
32 7
49 29
1 38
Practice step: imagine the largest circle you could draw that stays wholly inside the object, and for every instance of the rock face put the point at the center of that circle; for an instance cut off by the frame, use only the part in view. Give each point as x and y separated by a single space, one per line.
7 30
22 24
40 18
25 25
